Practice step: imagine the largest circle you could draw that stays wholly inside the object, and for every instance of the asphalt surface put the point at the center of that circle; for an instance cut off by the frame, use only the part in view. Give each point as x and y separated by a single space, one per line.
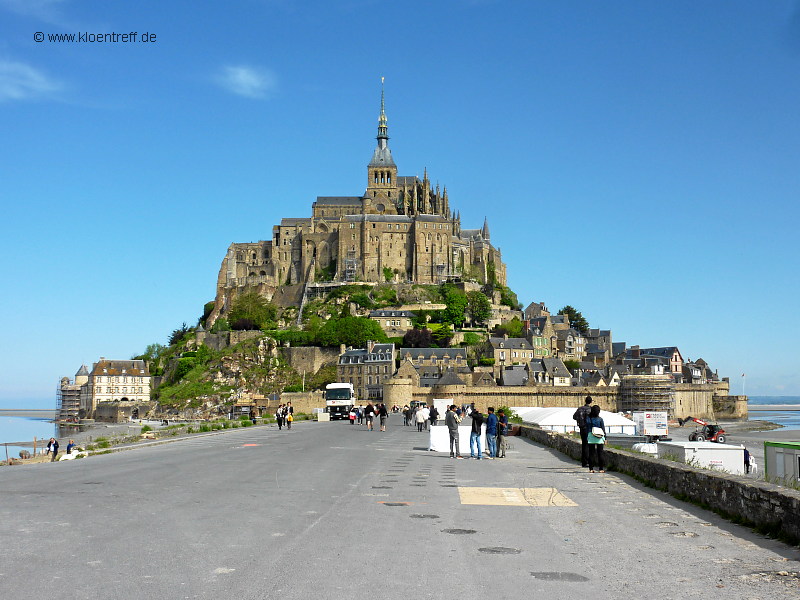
330 510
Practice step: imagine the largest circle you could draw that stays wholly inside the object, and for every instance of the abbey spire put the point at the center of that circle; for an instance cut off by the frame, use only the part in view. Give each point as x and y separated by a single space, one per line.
381 171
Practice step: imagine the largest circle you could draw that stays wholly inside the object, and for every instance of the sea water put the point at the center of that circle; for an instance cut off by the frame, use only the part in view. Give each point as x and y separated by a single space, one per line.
789 419
24 429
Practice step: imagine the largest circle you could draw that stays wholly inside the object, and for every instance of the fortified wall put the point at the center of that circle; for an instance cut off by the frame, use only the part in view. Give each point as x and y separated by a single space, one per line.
702 401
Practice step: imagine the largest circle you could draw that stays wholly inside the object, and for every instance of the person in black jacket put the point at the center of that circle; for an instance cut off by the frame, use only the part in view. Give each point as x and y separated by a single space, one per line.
580 416
475 436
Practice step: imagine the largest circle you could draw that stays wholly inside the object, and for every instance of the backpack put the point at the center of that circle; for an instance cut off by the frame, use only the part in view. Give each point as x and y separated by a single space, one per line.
581 415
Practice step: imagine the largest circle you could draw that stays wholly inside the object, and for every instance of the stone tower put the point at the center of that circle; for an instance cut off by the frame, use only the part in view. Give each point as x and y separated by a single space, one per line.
381 171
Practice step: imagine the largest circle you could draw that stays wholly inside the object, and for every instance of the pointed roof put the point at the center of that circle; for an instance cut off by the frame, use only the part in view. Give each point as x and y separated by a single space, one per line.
82 371
485 230
382 157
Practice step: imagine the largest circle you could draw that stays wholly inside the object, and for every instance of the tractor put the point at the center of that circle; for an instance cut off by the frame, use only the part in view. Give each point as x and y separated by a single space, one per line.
708 431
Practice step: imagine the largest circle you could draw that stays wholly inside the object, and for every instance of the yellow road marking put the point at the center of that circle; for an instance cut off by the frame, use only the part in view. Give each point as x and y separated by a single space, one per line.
513 496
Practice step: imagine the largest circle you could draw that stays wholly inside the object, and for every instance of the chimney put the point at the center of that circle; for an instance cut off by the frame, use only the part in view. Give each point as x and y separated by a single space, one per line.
342 348
370 346
635 353
505 336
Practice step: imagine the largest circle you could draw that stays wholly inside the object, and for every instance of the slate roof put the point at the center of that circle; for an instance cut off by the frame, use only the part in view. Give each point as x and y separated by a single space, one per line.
380 353
391 313
120 367
666 351
510 343
407 180
378 218
381 157
82 371
514 375
556 368
439 353
450 378
618 348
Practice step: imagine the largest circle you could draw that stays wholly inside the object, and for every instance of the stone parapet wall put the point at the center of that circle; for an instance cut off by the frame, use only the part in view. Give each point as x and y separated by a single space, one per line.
730 407
768 507
120 412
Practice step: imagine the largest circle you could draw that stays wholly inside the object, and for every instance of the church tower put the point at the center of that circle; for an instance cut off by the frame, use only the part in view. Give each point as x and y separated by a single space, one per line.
382 172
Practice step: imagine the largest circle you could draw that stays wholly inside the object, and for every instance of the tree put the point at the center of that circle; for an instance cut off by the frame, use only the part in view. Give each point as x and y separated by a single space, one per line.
572 365
418 338
576 319
256 308
479 308
442 335
178 334
512 328
208 307
350 331
456 302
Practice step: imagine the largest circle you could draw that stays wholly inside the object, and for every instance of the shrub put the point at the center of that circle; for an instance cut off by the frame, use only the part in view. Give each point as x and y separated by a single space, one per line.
146 428
486 362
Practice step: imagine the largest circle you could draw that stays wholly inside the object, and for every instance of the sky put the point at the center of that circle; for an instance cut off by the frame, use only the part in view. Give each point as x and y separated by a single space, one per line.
636 160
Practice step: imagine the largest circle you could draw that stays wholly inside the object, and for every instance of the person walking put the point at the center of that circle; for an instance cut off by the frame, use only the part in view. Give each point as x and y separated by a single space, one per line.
360 414
502 432
746 461
491 433
407 415
452 419
596 441
383 414
434 416
52 448
279 416
369 415
419 417
475 437
580 416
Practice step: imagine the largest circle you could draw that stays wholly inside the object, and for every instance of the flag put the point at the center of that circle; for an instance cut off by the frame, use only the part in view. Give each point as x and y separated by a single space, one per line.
742 374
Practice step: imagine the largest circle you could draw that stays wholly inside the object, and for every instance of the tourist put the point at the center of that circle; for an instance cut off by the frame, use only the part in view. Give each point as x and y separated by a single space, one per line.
70 446
52 449
434 416
475 437
279 416
580 416
352 416
383 414
596 426
502 432
452 419
491 433
369 415
746 461
360 414
407 415
289 419
420 418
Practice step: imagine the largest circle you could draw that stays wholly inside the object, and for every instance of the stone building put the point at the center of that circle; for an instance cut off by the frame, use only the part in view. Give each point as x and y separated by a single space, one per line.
367 369
394 323
400 229
115 381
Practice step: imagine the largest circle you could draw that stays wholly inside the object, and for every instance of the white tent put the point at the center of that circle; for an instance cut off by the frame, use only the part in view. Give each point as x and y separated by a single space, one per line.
558 418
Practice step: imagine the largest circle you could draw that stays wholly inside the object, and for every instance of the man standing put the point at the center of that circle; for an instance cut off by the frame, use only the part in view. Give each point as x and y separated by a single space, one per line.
53 449
491 433
580 416
502 432
475 436
452 420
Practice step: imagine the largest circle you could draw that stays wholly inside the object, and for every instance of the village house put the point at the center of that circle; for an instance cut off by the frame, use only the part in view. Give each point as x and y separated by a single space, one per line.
367 369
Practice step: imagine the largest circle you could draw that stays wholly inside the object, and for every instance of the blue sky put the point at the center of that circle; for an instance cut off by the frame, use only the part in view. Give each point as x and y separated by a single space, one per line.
637 160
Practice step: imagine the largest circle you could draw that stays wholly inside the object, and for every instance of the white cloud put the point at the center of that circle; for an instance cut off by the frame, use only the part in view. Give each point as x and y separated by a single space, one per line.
19 81
251 82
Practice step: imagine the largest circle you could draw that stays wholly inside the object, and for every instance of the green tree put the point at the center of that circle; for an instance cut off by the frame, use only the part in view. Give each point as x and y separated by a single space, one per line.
576 319
254 307
350 331
572 365
178 334
442 335
456 302
512 328
208 307
479 309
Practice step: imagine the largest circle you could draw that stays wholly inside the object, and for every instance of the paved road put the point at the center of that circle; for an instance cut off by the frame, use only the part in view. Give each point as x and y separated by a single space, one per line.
329 510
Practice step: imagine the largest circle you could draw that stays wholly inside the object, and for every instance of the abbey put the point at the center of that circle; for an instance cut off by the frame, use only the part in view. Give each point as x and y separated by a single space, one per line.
401 229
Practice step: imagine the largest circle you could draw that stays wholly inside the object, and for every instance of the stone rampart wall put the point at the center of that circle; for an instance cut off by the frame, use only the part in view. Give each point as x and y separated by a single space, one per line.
309 359
768 507
120 412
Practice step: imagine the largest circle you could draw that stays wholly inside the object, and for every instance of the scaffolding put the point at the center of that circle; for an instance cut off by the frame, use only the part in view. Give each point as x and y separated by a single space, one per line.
350 266
648 393
68 400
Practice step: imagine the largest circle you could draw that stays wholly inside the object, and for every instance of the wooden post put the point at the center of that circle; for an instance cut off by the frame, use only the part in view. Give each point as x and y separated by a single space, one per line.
34 445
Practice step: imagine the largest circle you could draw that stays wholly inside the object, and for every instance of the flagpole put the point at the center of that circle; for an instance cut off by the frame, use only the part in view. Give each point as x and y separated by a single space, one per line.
744 378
